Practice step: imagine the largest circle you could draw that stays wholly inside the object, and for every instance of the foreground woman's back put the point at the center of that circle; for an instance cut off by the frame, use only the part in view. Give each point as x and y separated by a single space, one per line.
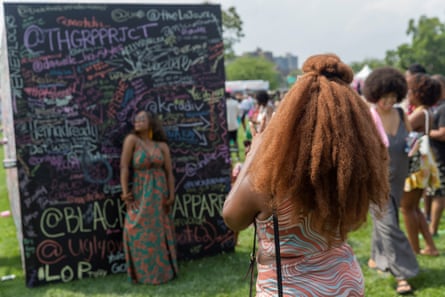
309 266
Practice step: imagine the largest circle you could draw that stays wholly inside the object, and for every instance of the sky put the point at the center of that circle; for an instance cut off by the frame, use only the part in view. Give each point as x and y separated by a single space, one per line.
353 29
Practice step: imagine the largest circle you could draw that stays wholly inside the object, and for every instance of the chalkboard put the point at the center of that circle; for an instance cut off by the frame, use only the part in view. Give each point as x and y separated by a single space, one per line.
79 73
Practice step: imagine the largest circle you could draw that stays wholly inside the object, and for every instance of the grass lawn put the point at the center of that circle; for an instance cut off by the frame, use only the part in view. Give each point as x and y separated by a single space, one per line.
221 275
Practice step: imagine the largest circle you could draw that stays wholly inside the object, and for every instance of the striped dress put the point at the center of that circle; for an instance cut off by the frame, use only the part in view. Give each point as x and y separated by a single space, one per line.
309 266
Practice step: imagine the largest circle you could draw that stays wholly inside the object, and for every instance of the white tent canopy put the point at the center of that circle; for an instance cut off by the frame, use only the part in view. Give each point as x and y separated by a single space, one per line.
363 73
360 77
246 85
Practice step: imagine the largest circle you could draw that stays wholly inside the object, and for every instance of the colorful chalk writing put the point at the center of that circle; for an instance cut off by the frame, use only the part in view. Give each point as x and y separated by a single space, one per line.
78 75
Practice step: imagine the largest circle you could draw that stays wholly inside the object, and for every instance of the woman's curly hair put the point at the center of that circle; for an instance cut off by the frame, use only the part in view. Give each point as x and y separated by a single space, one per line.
383 81
156 126
322 151
424 88
262 98
441 79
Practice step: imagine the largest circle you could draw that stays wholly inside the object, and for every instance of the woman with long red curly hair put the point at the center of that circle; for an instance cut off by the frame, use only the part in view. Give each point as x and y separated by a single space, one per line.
318 166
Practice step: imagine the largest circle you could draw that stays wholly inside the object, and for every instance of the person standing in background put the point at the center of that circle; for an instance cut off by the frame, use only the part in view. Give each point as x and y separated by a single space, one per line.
390 249
423 92
412 69
437 135
264 114
148 236
246 105
233 112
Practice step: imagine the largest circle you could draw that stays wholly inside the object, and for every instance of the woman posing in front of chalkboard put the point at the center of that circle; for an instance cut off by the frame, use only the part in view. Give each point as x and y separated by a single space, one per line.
149 243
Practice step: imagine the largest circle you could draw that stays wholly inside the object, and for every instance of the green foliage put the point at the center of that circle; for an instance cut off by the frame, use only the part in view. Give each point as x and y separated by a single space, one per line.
253 68
232 30
372 63
392 59
296 72
427 46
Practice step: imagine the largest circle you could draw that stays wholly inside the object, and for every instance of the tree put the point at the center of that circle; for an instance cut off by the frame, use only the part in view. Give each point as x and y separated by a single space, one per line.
291 78
427 46
253 68
372 63
232 30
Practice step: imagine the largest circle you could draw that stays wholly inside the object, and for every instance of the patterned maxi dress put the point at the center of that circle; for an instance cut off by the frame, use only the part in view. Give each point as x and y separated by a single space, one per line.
149 244
309 266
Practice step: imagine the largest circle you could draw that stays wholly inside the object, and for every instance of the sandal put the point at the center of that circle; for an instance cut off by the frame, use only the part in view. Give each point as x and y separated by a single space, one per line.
403 287
428 252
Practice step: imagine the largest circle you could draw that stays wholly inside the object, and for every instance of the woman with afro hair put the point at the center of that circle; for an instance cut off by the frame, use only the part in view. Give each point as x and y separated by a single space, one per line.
317 166
423 92
390 249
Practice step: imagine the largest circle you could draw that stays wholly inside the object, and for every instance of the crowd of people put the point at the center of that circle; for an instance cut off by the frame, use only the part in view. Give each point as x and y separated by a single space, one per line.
409 108
319 162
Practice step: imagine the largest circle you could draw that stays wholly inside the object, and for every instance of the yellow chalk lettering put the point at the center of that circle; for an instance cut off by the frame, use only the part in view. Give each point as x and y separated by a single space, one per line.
51 218
83 267
98 217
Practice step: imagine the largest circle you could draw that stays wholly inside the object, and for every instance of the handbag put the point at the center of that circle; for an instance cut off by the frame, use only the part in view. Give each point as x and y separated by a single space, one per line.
277 258
425 140
425 151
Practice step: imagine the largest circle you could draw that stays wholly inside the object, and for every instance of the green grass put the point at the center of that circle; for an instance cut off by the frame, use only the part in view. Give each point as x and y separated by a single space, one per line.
221 275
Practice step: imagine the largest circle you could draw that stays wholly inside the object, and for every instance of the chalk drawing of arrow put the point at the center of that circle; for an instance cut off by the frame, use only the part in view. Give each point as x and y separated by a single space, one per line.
201 136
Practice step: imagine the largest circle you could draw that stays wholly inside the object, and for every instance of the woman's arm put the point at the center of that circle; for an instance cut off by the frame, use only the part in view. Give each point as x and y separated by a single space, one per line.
243 203
169 174
406 121
417 121
438 134
126 156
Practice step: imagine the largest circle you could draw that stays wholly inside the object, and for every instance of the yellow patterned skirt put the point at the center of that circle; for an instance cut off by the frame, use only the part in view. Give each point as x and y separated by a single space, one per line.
423 174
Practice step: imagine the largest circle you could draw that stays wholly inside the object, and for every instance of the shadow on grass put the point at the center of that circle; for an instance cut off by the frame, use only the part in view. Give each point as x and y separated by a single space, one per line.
10 262
429 278
220 275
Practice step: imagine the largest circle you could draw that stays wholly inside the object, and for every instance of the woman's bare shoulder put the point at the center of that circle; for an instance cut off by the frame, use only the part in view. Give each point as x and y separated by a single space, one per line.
163 145
131 139
165 149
